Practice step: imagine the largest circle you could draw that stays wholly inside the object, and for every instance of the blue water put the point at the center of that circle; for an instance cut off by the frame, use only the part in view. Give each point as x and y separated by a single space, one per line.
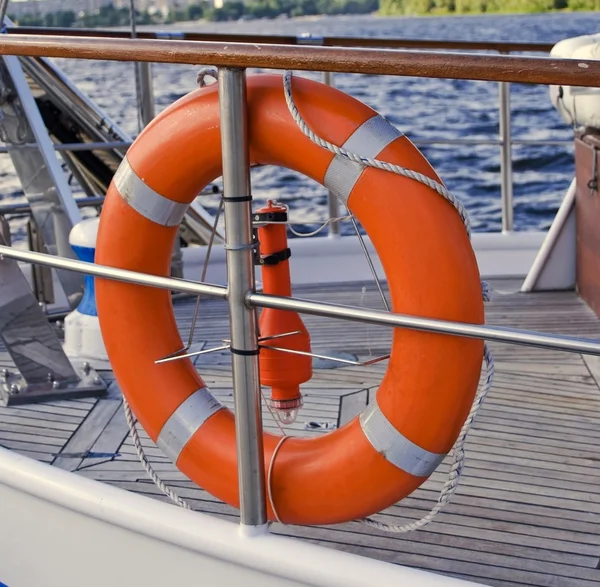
422 108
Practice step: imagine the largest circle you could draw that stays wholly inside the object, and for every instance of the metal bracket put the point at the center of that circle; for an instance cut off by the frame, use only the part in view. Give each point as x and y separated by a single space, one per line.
352 404
44 183
273 258
15 390
41 277
35 366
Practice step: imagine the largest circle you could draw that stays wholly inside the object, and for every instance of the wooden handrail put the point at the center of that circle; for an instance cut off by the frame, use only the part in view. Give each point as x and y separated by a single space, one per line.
364 42
486 67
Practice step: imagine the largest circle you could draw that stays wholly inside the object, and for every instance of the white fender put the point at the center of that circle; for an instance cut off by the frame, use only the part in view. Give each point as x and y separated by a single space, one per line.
83 338
577 105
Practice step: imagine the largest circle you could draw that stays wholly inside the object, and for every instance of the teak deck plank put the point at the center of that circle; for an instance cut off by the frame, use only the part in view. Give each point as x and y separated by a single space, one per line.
87 434
528 509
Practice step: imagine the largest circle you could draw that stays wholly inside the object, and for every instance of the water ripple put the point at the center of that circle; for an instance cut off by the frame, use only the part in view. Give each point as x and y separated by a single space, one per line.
432 109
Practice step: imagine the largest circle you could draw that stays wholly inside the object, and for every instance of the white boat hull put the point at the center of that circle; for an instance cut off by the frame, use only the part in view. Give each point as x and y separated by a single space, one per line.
62 530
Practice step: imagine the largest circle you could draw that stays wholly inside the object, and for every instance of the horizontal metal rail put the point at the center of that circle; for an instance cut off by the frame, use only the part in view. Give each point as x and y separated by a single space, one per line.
100 146
24 208
381 318
484 67
114 273
491 142
377 317
370 42
126 144
556 142
72 147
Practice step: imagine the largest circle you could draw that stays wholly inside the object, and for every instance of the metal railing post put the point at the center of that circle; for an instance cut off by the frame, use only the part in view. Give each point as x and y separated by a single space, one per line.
146 93
240 274
143 79
3 8
506 185
333 204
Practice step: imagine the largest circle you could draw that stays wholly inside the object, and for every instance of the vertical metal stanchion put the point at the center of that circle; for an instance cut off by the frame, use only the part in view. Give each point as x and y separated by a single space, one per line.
240 274
146 98
143 80
3 8
333 204
506 158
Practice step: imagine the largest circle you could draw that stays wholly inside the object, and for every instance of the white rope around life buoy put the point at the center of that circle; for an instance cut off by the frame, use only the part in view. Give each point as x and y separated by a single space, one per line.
270 474
397 169
458 460
139 449
458 453
204 73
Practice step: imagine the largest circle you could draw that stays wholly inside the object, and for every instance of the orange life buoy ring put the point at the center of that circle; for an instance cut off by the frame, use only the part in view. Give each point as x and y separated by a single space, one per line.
398 441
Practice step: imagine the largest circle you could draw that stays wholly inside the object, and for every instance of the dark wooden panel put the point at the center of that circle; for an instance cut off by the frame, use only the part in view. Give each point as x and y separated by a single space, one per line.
587 164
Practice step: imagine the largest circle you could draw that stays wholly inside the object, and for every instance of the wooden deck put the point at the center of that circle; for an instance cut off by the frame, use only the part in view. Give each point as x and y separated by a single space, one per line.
528 508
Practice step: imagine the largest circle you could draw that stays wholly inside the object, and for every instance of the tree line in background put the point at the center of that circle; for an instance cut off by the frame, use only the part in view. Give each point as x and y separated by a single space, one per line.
291 8
109 16
477 6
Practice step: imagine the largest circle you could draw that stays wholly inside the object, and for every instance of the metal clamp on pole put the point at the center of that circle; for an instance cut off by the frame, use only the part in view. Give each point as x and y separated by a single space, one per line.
241 282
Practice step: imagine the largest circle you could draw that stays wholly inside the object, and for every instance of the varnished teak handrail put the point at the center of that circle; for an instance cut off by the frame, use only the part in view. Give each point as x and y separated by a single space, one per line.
539 70
364 42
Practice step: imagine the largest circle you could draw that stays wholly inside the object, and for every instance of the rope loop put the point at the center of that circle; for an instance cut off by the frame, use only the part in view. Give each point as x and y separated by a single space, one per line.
458 452
204 73
139 449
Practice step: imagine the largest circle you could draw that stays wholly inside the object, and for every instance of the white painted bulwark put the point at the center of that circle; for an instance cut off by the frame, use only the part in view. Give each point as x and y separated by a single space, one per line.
56 526
338 260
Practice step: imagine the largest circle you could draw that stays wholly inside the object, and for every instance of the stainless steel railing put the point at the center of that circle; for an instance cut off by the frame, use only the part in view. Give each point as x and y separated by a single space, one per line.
74 147
530 338
241 289
505 142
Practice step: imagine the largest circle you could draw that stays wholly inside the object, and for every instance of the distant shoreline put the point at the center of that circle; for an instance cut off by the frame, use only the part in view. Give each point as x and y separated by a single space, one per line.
484 13
378 14
314 17
482 7
110 17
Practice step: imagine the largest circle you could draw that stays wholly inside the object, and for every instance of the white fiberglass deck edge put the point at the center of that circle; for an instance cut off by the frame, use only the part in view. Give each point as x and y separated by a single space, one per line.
335 260
59 529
